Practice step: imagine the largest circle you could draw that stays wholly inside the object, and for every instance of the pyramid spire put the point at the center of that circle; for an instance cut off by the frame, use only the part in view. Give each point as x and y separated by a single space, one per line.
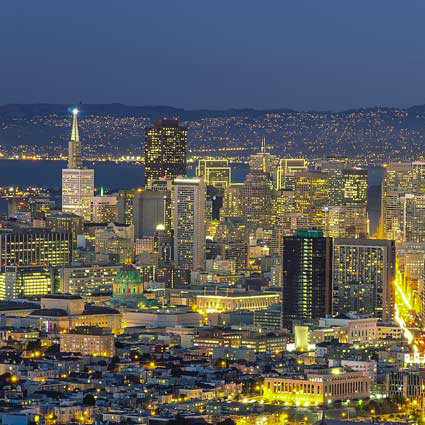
74 133
74 147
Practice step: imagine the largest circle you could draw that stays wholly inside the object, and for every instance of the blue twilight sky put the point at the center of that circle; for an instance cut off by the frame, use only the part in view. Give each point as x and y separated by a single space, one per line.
324 54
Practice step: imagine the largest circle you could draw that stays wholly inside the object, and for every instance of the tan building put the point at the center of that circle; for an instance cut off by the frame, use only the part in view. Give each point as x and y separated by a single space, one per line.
89 341
60 313
116 240
317 388
233 302
104 208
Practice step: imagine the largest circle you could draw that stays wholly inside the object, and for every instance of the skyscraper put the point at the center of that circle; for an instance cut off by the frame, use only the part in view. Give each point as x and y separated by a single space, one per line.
77 183
257 199
397 181
216 172
151 208
347 185
363 270
345 222
264 162
189 223
74 146
285 179
311 195
165 150
307 276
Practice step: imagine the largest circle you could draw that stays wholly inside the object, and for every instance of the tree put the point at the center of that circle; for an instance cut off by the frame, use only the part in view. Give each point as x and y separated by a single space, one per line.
89 400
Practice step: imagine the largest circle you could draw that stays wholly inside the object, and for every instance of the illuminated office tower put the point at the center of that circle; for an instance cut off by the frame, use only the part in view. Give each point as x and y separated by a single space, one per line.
165 150
345 222
311 195
412 218
216 172
363 270
264 162
26 281
77 191
285 179
347 185
283 202
104 209
24 246
397 181
418 177
64 222
288 223
77 183
232 201
232 238
257 199
151 208
125 206
307 276
189 223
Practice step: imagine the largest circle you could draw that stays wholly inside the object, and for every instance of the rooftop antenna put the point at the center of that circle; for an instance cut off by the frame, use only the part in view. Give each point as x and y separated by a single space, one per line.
263 145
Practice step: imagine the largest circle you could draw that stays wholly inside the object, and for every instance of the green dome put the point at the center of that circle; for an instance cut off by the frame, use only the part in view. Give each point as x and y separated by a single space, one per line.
128 274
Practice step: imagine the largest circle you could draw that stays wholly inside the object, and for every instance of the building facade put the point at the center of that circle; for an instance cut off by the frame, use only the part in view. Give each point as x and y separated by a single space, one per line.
307 276
363 270
189 223
165 150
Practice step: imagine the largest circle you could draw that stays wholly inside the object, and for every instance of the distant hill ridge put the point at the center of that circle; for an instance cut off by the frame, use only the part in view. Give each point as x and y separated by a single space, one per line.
158 111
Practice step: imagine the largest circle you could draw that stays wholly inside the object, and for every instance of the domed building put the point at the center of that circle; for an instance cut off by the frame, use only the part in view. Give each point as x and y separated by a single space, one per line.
128 289
128 281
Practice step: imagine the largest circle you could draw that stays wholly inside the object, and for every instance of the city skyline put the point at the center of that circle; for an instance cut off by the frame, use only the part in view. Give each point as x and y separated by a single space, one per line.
203 265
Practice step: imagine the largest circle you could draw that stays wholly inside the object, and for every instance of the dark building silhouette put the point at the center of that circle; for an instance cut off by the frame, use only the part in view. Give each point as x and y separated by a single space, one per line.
165 150
307 276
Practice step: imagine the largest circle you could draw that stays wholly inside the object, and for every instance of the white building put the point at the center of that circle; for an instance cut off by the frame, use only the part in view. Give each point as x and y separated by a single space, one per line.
189 223
77 183
77 192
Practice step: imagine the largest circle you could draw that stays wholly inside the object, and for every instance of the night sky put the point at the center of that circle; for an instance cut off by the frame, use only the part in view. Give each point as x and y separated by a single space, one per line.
303 54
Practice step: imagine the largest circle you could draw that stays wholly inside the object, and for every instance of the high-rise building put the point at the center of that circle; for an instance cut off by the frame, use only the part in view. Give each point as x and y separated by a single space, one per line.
285 179
189 223
411 220
165 150
232 201
74 146
345 222
125 206
397 181
363 270
307 276
311 195
104 208
150 209
347 185
264 162
77 183
257 199
23 246
216 172
64 222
